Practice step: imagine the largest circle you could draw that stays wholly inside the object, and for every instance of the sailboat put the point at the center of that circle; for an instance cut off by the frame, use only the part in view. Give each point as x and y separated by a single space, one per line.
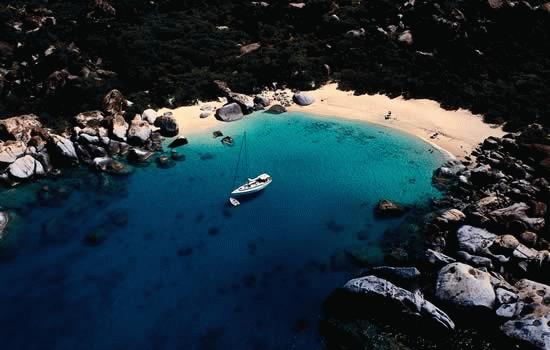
252 185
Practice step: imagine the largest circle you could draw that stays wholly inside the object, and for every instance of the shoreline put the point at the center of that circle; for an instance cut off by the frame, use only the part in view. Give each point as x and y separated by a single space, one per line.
456 132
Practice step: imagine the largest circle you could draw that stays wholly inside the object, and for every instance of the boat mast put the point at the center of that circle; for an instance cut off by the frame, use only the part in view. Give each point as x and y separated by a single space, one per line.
245 161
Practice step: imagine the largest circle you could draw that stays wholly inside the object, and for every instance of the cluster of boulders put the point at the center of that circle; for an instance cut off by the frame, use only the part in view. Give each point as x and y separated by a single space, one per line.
488 242
238 105
29 150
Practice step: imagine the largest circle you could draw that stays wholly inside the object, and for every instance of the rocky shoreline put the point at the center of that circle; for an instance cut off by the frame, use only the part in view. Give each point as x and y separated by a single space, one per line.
487 257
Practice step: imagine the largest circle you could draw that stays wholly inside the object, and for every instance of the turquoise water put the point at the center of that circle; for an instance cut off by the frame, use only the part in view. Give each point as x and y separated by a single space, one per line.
176 268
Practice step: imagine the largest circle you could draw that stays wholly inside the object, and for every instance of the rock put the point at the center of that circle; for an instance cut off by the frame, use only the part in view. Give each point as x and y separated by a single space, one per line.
303 99
167 124
406 37
464 286
474 240
388 209
509 310
452 216
538 209
62 149
438 259
396 273
91 119
110 166
19 128
149 115
261 100
411 303
504 296
138 155
475 260
179 141
229 112
25 167
227 140
528 238
114 102
276 109
516 212
4 220
165 162
10 151
245 49
204 114
217 133
530 323
495 4
87 138
177 156
482 175
356 33
119 127
491 143
504 245
139 131
96 151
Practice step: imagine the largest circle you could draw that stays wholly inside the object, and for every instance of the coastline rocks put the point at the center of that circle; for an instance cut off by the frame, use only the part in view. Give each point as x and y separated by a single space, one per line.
303 99
118 127
25 167
114 102
388 209
10 151
63 149
149 115
530 315
109 166
179 141
139 131
138 155
229 113
262 101
474 240
19 128
514 213
167 125
276 109
382 291
463 286
91 118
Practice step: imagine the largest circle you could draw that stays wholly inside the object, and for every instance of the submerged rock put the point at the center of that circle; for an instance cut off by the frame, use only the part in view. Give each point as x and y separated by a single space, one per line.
4 220
138 155
464 286
388 209
165 162
110 166
410 303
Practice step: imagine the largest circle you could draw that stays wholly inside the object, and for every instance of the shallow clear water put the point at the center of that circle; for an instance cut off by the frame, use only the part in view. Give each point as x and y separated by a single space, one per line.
178 268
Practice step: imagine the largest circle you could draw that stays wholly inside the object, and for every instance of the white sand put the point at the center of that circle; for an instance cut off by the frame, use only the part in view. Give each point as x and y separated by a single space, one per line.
459 132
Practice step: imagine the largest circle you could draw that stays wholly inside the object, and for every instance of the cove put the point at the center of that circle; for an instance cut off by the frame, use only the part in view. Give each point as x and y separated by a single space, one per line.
173 267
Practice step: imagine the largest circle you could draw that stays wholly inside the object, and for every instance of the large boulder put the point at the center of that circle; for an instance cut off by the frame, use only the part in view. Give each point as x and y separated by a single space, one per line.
137 155
276 109
229 112
114 102
474 240
89 119
303 99
388 209
464 286
19 128
119 127
516 212
167 125
25 167
10 151
62 149
149 115
530 315
382 291
139 131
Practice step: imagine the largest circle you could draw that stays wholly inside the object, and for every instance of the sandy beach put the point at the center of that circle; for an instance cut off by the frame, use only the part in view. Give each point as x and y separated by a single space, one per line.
456 132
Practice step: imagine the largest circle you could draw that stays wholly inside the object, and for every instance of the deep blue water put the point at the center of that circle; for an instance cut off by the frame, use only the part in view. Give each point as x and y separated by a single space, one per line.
177 268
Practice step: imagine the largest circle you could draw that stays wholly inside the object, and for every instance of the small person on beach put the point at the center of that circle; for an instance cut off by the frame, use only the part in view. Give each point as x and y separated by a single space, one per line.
388 115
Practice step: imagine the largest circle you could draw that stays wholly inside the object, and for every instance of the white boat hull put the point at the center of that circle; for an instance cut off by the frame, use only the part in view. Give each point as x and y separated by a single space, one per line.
253 185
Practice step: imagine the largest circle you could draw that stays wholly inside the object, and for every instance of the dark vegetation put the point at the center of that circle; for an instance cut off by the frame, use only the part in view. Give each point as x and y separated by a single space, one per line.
465 54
